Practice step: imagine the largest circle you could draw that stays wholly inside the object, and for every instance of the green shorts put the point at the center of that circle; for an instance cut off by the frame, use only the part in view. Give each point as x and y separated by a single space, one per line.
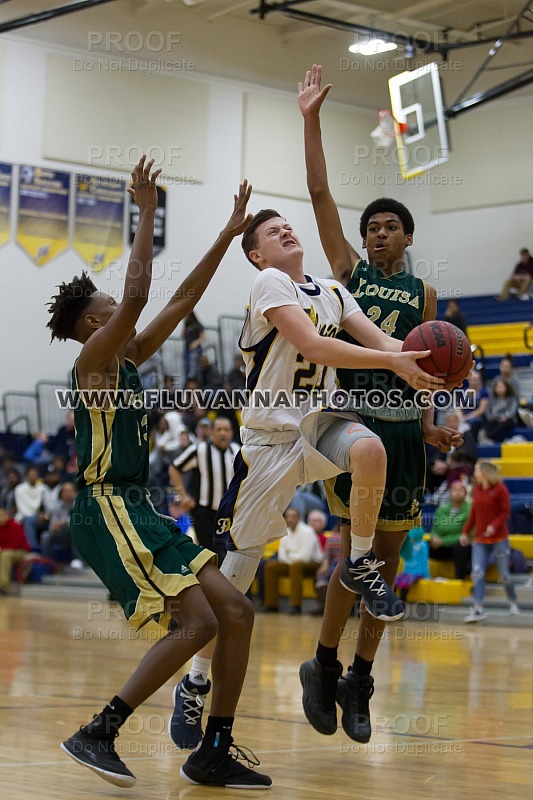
406 469
137 553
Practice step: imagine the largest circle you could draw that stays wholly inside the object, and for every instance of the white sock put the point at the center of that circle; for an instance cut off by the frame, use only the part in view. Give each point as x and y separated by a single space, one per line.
360 546
199 671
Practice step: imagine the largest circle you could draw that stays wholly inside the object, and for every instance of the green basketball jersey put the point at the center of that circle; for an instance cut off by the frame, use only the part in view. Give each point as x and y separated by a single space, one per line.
396 304
112 442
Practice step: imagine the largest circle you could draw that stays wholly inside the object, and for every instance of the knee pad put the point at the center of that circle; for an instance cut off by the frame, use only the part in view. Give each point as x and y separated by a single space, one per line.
240 566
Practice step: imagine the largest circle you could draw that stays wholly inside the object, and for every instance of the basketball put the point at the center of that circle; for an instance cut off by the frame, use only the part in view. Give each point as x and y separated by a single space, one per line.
451 356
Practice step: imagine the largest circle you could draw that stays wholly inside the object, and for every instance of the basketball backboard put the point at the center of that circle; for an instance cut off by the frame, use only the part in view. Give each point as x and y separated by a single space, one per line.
416 99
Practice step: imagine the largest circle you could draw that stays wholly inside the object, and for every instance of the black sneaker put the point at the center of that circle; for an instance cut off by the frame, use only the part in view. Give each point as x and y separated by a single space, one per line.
362 577
353 695
98 752
320 689
185 724
225 770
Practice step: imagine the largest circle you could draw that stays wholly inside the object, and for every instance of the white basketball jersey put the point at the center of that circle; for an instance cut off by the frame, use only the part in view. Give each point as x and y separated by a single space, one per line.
276 373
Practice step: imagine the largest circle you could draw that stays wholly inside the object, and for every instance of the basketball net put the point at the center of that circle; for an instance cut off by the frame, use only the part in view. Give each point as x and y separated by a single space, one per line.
387 129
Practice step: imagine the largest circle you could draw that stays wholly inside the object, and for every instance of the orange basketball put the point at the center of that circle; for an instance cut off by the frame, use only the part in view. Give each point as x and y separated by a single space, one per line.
451 355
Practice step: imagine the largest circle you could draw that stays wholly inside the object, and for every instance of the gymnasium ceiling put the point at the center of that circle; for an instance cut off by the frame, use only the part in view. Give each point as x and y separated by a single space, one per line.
222 38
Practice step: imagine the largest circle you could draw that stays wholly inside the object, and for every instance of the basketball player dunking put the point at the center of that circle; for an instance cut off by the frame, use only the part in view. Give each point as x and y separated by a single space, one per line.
396 302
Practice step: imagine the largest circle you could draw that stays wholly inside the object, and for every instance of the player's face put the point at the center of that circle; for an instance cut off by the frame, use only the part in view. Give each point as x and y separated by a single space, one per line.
385 240
276 244
101 309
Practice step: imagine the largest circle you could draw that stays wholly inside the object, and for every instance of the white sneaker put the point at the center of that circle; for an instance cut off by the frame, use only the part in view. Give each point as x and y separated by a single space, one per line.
76 563
514 610
476 615
524 296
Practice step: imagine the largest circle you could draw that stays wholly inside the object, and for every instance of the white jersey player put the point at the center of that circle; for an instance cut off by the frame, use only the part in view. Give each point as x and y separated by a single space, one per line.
288 345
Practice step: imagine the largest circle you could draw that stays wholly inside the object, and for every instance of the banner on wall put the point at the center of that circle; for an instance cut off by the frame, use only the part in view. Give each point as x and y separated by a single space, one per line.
159 222
99 220
42 219
6 173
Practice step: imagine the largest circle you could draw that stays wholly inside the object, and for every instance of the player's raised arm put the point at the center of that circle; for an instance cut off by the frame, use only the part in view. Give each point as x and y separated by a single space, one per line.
340 254
194 285
293 324
108 339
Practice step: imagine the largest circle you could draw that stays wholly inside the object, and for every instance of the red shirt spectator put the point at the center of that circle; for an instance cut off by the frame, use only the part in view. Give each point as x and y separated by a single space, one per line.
11 533
490 511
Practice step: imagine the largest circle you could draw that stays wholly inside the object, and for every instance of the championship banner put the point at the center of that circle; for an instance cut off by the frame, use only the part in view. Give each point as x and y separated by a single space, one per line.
159 222
99 220
42 220
6 172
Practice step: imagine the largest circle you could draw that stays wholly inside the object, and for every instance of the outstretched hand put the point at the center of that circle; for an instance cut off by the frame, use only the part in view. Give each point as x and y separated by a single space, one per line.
144 191
239 220
310 95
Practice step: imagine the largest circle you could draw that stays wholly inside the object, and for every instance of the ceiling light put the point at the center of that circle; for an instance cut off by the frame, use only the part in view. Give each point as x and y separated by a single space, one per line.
371 47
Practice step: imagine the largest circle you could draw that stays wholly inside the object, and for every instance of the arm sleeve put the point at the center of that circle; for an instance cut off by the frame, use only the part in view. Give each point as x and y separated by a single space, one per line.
273 289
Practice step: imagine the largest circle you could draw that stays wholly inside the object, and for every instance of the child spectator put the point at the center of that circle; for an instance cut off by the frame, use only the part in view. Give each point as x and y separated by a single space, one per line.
488 519
416 564
500 414
448 523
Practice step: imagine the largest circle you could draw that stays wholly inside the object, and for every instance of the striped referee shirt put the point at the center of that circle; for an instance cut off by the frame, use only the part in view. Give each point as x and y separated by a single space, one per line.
215 469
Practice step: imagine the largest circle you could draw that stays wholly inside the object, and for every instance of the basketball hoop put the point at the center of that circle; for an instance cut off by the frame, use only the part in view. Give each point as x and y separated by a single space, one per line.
388 128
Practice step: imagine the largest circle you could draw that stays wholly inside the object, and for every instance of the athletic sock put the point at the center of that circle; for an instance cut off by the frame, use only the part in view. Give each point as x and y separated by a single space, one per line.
326 656
111 717
199 671
361 545
361 666
217 736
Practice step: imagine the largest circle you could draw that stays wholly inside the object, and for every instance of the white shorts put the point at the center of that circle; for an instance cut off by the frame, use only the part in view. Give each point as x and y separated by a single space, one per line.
267 471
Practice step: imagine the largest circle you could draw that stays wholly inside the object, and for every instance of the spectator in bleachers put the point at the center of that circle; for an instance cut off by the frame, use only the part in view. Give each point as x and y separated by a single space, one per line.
38 451
443 468
203 429
194 337
7 490
52 480
237 375
520 278
501 413
454 317
56 542
448 524
29 502
306 499
62 444
507 373
151 371
415 562
13 548
317 520
165 443
190 416
299 555
476 417
209 375
270 553
488 520
332 554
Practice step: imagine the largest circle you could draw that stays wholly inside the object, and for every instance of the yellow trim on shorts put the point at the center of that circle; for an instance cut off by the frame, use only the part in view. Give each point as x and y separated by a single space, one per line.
151 599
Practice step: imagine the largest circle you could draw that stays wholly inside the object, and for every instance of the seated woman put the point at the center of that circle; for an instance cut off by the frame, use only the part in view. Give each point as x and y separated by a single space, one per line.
447 527
501 413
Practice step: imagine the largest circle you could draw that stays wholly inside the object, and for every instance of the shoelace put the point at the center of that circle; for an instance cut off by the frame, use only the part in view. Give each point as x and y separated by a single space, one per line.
368 571
241 754
192 706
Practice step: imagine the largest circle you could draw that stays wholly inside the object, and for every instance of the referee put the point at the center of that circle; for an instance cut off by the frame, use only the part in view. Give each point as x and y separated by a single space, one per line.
212 462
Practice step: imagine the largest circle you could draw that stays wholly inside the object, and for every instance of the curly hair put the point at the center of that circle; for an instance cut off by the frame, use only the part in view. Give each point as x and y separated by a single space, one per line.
381 206
67 306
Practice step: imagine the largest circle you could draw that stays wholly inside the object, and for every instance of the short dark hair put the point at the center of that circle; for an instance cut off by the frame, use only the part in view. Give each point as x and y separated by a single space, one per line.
68 305
382 205
249 241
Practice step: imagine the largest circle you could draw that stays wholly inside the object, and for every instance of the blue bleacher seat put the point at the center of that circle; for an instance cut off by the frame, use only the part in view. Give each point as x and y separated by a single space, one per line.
486 310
